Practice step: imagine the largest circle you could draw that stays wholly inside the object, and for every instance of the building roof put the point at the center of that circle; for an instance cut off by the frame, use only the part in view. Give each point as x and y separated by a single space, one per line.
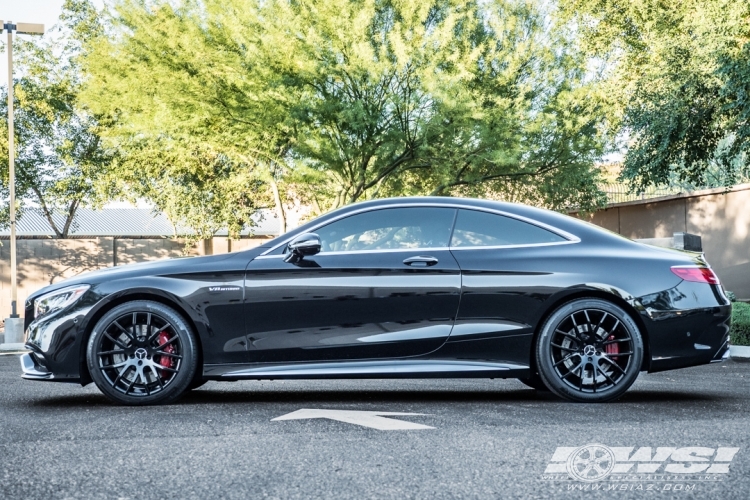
677 196
123 222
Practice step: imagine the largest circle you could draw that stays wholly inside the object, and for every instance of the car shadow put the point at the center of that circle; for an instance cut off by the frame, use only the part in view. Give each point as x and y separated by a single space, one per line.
208 396
213 396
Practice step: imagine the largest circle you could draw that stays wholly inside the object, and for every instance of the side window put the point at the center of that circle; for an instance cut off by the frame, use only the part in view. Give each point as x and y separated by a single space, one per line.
479 229
389 228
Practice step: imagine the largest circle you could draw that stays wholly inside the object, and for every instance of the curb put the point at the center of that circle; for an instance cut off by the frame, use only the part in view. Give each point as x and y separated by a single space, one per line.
12 347
739 352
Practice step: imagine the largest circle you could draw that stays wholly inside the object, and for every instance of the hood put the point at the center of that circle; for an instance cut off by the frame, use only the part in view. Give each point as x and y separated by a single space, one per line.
155 268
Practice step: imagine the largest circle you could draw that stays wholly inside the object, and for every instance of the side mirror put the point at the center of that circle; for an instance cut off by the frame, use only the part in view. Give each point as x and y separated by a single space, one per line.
303 245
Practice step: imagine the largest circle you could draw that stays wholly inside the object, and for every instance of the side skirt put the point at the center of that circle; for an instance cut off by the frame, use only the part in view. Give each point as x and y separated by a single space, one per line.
367 369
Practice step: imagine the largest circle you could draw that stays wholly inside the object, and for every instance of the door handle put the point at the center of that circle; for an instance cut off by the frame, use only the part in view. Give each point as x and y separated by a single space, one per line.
421 261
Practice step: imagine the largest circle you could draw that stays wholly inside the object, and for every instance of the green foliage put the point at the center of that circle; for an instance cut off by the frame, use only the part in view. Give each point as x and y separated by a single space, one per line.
343 101
199 189
678 73
731 296
59 152
740 330
193 137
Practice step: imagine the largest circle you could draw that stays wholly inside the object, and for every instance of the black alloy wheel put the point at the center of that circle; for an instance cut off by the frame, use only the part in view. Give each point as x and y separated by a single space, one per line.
589 350
142 353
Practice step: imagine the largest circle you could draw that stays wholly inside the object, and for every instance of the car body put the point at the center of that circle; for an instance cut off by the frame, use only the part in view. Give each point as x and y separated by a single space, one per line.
419 291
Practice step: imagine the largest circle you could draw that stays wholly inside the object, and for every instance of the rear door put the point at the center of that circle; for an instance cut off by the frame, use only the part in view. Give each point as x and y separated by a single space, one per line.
384 285
507 273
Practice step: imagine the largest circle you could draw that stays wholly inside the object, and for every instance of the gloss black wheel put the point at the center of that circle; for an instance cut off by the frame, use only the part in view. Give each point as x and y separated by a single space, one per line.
141 353
589 350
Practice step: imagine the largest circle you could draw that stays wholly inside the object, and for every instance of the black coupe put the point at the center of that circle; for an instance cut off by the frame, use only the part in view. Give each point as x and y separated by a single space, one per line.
397 288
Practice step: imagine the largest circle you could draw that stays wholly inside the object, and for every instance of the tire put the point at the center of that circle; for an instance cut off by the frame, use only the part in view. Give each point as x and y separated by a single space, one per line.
589 350
142 353
535 382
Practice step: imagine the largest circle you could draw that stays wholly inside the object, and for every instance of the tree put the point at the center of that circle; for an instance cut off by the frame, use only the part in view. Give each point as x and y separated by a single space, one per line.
438 98
59 153
411 97
201 190
678 75
167 79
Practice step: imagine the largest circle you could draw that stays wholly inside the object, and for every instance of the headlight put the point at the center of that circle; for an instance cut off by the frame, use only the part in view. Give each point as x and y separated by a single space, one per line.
57 300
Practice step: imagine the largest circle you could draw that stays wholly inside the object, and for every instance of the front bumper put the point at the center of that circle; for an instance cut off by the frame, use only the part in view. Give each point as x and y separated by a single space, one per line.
33 369
56 347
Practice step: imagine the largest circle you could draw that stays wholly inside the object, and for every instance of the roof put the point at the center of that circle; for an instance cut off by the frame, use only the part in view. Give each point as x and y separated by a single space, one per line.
123 222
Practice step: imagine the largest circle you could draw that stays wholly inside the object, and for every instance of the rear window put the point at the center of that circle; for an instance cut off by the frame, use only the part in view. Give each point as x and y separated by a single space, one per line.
479 229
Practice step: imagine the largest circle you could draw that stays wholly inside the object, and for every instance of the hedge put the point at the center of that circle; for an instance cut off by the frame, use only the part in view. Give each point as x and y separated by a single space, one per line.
740 331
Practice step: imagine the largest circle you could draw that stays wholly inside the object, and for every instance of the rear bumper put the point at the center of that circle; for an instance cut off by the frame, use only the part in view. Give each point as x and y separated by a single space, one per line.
722 355
687 325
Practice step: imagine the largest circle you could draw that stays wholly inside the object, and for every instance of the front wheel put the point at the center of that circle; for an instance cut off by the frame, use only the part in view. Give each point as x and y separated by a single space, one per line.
589 350
142 353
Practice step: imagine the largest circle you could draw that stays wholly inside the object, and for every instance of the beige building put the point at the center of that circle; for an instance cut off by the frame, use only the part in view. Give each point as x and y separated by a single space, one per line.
721 217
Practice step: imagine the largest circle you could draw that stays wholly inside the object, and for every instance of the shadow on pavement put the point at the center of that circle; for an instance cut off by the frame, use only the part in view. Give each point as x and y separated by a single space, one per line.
211 396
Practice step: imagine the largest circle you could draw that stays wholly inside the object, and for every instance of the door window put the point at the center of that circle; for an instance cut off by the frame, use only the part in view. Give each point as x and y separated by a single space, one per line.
479 229
389 228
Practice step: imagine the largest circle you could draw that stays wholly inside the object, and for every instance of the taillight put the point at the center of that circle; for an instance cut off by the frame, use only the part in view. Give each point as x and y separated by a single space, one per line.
696 274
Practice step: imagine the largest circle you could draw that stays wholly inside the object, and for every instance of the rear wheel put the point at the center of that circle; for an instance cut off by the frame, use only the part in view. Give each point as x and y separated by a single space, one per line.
142 353
589 350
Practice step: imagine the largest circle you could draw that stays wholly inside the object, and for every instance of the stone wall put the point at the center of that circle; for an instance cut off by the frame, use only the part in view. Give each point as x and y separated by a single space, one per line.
42 262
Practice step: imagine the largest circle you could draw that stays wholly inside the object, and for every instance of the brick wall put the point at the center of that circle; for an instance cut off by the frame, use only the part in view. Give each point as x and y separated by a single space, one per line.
42 262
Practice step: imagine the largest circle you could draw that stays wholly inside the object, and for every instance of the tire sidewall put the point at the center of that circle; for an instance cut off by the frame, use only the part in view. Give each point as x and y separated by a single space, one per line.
188 368
543 348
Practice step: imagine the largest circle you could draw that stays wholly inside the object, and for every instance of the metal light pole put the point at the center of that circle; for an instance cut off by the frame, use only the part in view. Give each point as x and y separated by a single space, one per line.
12 334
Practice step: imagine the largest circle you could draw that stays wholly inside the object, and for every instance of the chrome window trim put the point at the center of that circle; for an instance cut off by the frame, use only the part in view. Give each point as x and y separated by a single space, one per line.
571 238
350 252
525 245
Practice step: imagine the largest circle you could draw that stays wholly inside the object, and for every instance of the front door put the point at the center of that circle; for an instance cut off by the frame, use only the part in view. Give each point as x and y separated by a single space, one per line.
384 285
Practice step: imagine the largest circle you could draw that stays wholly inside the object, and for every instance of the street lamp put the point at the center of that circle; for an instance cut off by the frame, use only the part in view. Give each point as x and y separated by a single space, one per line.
14 327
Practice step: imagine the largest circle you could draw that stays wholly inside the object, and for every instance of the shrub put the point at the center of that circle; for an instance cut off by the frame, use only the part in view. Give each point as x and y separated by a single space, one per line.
731 296
740 331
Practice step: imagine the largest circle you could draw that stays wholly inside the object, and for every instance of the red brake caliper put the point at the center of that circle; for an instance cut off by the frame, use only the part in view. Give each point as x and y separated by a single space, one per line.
612 348
168 361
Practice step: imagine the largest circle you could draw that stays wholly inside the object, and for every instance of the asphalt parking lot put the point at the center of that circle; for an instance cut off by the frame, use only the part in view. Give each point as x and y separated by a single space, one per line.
487 439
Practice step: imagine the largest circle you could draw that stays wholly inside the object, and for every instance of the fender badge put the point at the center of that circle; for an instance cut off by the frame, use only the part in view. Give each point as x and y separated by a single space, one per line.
215 289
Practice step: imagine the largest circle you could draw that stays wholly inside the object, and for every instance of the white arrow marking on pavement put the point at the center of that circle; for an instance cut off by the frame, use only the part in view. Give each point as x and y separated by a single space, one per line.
372 419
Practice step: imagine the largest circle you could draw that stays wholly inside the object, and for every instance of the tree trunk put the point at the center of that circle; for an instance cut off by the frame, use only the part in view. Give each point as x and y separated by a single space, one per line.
69 219
47 212
278 206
